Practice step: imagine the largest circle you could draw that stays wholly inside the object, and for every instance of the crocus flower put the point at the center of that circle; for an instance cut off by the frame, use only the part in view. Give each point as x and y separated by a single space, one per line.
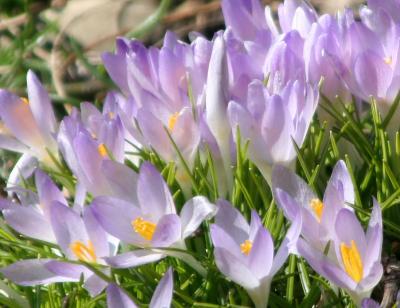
93 153
152 222
294 196
32 217
356 263
28 126
369 303
270 122
162 295
245 253
79 239
157 84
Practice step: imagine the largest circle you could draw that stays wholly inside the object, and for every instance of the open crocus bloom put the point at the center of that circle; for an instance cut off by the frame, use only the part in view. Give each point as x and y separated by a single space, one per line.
294 196
245 253
93 153
162 296
80 239
32 217
356 264
28 126
152 223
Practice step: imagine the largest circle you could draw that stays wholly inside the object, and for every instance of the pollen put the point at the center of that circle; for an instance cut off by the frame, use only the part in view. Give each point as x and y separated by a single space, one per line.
144 228
388 60
102 150
172 121
245 247
352 261
25 100
111 115
318 207
83 252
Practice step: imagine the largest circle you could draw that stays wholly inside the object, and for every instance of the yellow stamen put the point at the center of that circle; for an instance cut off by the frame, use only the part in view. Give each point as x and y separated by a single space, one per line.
111 115
318 208
25 100
246 246
102 150
388 60
172 121
83 252
352 261
144 228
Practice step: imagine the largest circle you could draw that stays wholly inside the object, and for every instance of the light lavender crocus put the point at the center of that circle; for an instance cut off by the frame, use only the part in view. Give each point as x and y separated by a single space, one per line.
162 296
92 144
271 122
245 253
356 263
151 223
28 126
164 89
32 216
294 196
79 239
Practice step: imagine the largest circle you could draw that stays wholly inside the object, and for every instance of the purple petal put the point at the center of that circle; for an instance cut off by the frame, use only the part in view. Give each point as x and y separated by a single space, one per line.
29 222
12 110
369 303
134 258
262 254
95 285
67 270
153 193
162 296
47 190
349 229
295 186
116 298
23 169
120 179
231 221
341 179
116 217
374 238
336 275
222 239
11 144
40 104
255 224
233 268
32 272
168 231
194 212
68 227
373 278
96 233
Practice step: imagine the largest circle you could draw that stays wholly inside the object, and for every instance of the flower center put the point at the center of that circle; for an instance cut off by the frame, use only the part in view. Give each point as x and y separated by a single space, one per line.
83 252
352 261
102 150
245 247
172 120
388 60
144 228
317 207
25 100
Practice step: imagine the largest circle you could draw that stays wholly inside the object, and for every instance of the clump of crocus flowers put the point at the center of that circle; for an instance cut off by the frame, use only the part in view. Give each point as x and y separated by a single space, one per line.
255 85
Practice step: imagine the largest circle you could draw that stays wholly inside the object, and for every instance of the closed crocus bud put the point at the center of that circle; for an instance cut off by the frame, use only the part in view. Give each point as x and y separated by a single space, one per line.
272 122
217 103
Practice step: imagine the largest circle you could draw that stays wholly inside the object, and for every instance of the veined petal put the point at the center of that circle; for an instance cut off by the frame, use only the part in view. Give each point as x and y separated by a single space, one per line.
162 296
262 254
194 212
32 272
134 258
154 196
167 232
116 298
